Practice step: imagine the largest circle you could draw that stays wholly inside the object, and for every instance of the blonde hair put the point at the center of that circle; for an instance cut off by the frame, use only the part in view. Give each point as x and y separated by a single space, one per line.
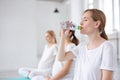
51 32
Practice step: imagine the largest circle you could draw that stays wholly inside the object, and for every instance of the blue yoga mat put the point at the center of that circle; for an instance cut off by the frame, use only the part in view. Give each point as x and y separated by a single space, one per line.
16 79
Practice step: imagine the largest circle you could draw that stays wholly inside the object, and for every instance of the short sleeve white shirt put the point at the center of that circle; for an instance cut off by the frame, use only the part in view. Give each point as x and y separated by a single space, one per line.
46 62
59 65
90 62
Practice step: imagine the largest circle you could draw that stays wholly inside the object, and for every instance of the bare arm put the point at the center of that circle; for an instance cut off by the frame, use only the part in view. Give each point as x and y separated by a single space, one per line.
64 71
62 55
107 75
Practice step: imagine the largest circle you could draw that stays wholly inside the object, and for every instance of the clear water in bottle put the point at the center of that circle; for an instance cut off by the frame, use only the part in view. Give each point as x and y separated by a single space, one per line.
70 26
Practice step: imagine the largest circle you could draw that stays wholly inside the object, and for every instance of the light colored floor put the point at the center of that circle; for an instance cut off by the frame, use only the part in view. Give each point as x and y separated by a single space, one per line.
14 74
9 74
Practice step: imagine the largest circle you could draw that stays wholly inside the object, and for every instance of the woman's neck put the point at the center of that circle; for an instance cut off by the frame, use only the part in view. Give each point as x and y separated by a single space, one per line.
50 44
95 41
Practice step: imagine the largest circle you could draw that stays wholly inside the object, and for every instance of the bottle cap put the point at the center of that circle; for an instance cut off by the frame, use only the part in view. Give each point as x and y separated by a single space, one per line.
79 27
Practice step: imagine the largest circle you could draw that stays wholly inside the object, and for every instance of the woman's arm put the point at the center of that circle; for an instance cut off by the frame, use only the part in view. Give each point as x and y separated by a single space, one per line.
62 55
64 71
107 75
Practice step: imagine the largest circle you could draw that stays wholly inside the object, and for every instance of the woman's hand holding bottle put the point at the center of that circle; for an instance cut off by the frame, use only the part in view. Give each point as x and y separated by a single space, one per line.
64 33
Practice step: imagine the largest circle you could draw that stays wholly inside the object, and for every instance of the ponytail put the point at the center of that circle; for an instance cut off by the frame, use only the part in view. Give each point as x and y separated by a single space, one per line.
103 35
75 40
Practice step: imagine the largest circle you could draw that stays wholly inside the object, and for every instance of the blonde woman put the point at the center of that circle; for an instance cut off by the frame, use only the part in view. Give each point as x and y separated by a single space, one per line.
46 62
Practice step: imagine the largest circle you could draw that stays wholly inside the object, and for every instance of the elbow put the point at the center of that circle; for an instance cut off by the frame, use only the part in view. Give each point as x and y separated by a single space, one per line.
65 72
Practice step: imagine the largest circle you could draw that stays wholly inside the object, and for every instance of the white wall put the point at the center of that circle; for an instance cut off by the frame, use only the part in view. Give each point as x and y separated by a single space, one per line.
18 43
115 39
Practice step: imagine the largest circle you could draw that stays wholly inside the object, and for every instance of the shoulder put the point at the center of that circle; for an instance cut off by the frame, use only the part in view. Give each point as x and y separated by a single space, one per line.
107 47
82 44
54 46
71 45
107 44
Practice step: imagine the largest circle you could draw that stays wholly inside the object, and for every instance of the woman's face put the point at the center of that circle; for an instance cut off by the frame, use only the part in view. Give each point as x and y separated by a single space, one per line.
48 37
87 23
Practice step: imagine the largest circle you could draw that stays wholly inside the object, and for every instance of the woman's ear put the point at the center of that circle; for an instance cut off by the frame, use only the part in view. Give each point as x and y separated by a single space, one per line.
97 24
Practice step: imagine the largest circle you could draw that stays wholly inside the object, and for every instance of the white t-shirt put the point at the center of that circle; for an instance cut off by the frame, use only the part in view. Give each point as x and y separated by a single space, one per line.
59 65
90 62
46 63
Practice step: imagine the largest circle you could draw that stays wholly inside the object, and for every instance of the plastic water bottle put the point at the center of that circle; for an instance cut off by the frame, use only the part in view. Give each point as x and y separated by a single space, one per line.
70 26
75 27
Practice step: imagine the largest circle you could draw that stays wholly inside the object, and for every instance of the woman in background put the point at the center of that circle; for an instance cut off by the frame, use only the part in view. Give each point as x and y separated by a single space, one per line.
65 70
95 58
46 62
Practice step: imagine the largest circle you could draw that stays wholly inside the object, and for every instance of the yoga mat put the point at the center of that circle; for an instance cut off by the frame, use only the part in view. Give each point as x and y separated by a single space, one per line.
16 79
